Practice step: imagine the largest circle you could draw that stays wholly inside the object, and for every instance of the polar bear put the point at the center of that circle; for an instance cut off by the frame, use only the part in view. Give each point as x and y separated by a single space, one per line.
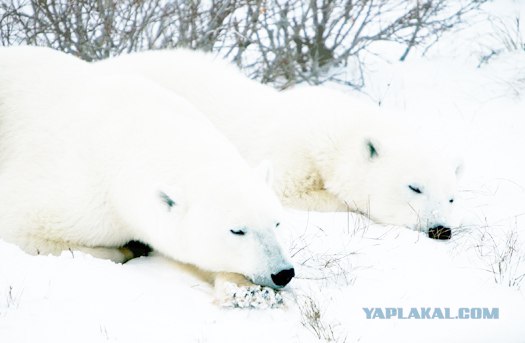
329 151
89 162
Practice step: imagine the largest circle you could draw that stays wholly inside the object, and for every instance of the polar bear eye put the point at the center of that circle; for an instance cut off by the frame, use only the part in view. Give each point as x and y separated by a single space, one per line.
415 189
451 201
238 232
277 224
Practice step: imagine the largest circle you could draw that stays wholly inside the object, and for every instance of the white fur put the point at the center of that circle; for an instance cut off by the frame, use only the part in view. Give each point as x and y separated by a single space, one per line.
316 139
86 162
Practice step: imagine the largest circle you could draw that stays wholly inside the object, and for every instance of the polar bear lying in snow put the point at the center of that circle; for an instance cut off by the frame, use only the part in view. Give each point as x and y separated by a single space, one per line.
330 152
89 162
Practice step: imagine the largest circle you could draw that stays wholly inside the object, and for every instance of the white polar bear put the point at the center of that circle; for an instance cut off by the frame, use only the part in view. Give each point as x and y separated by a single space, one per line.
89 162
330 153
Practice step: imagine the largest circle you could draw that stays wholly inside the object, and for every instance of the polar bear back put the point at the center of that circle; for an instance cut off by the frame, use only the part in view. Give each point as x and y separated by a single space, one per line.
109 140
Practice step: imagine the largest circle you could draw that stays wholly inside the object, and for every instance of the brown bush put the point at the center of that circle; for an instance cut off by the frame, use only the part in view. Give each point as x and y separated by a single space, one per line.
276 41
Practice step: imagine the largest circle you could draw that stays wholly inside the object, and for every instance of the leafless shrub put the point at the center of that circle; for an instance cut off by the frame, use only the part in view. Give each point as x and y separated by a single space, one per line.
312 318
328 267
97 29
506 37
504 257
305 41
12 297
508 33
281 42
317 257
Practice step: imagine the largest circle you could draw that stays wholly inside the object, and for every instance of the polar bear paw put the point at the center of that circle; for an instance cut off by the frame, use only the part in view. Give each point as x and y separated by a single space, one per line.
254 296
235 291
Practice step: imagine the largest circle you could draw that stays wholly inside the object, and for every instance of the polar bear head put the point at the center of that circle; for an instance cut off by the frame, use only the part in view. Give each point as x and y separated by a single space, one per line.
241 239
232 229
396 180
389 166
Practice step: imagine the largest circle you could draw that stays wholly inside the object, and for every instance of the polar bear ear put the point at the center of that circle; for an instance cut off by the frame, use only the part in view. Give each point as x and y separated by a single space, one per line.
167 200
265 171
371 149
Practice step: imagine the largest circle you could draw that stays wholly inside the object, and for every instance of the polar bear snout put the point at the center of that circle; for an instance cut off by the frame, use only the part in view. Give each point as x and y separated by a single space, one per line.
283 277
440 232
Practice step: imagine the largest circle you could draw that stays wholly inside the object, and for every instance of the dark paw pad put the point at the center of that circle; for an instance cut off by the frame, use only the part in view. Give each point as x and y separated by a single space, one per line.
138 249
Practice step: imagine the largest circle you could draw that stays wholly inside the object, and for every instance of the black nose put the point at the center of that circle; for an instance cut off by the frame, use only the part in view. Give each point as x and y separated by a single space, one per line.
440 232
282 278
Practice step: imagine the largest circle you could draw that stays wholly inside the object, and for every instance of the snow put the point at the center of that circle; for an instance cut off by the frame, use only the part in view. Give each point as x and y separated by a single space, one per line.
344 262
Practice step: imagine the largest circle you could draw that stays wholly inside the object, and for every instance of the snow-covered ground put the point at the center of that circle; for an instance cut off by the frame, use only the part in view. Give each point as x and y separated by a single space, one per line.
344 262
